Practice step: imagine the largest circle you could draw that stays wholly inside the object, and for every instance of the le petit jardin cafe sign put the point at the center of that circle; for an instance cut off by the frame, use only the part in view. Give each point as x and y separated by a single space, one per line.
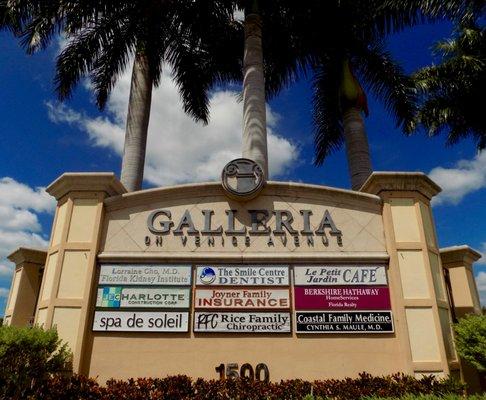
161 225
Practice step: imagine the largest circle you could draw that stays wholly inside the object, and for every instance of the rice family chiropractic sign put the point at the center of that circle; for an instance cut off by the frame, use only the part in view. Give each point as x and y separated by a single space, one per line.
353 299
155 287
246 288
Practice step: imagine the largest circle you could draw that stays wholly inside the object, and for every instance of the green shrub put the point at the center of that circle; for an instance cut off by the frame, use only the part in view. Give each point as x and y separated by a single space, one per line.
471 340
27 358
183 388
430 397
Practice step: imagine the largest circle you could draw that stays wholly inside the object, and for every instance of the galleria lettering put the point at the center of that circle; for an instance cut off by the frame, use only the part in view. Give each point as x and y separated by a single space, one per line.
258 218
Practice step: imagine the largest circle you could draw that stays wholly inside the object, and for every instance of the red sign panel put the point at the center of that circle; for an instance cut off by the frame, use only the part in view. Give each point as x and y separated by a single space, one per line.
342 298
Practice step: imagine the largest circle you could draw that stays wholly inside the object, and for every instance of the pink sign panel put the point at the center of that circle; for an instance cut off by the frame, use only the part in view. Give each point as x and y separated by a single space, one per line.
342 298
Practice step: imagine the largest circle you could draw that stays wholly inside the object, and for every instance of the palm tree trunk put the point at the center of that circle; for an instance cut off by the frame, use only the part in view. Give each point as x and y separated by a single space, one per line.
254 111
137 124
357 149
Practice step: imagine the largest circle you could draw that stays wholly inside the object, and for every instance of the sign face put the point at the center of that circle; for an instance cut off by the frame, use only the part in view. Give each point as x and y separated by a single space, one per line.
342 298
239 322
243 275
344 322
141 321
150 274
242 298
162 297
327 275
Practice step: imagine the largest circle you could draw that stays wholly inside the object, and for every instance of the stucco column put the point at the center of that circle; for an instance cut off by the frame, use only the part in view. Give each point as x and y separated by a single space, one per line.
29 264
67 283
458 262
421 304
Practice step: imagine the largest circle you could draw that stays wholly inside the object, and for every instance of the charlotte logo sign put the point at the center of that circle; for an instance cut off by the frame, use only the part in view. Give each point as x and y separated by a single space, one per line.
136 274
243 275
344 322
342 298
141 321
150 297
242 322
242 298
340 275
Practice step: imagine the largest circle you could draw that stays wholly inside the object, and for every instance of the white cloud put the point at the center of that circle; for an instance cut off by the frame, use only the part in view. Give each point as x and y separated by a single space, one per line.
482 250
465 177
19 195
6 270
481 283
178 149
19 222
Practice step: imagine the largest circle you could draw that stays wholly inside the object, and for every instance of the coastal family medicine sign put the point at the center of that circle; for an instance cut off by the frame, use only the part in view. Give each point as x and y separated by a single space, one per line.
239 298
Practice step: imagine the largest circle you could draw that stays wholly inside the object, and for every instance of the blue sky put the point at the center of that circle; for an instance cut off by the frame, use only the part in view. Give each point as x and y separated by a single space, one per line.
40 139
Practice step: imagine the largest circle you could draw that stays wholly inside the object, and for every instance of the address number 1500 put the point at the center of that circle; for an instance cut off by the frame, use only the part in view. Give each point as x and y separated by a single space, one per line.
230 370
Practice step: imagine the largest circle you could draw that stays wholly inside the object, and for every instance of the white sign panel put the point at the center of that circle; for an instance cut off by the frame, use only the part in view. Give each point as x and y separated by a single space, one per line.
162 297
141 321
243 275
239 322
242 298
310 275
148 274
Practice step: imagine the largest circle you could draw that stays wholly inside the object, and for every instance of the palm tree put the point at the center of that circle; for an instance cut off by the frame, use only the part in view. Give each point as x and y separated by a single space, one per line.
254 141
340 44
195 38
452 92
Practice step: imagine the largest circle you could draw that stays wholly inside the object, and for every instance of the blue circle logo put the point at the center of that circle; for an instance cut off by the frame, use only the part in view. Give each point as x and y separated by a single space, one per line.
207 276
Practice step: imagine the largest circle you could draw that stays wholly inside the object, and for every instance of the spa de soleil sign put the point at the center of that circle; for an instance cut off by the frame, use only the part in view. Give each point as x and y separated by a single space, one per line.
271 224
141 321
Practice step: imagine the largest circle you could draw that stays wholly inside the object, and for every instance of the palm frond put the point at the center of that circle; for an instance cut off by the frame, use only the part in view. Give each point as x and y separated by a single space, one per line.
381 74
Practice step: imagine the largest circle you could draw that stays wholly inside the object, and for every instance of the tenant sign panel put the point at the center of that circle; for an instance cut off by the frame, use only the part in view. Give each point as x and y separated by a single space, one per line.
145 274
342 298
143 297
141 321
327 275
242 275
344 322
242 322
243 298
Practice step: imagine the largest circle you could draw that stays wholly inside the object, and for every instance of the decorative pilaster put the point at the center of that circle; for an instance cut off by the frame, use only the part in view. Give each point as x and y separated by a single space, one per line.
29 264
68 280
423 307
458 262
